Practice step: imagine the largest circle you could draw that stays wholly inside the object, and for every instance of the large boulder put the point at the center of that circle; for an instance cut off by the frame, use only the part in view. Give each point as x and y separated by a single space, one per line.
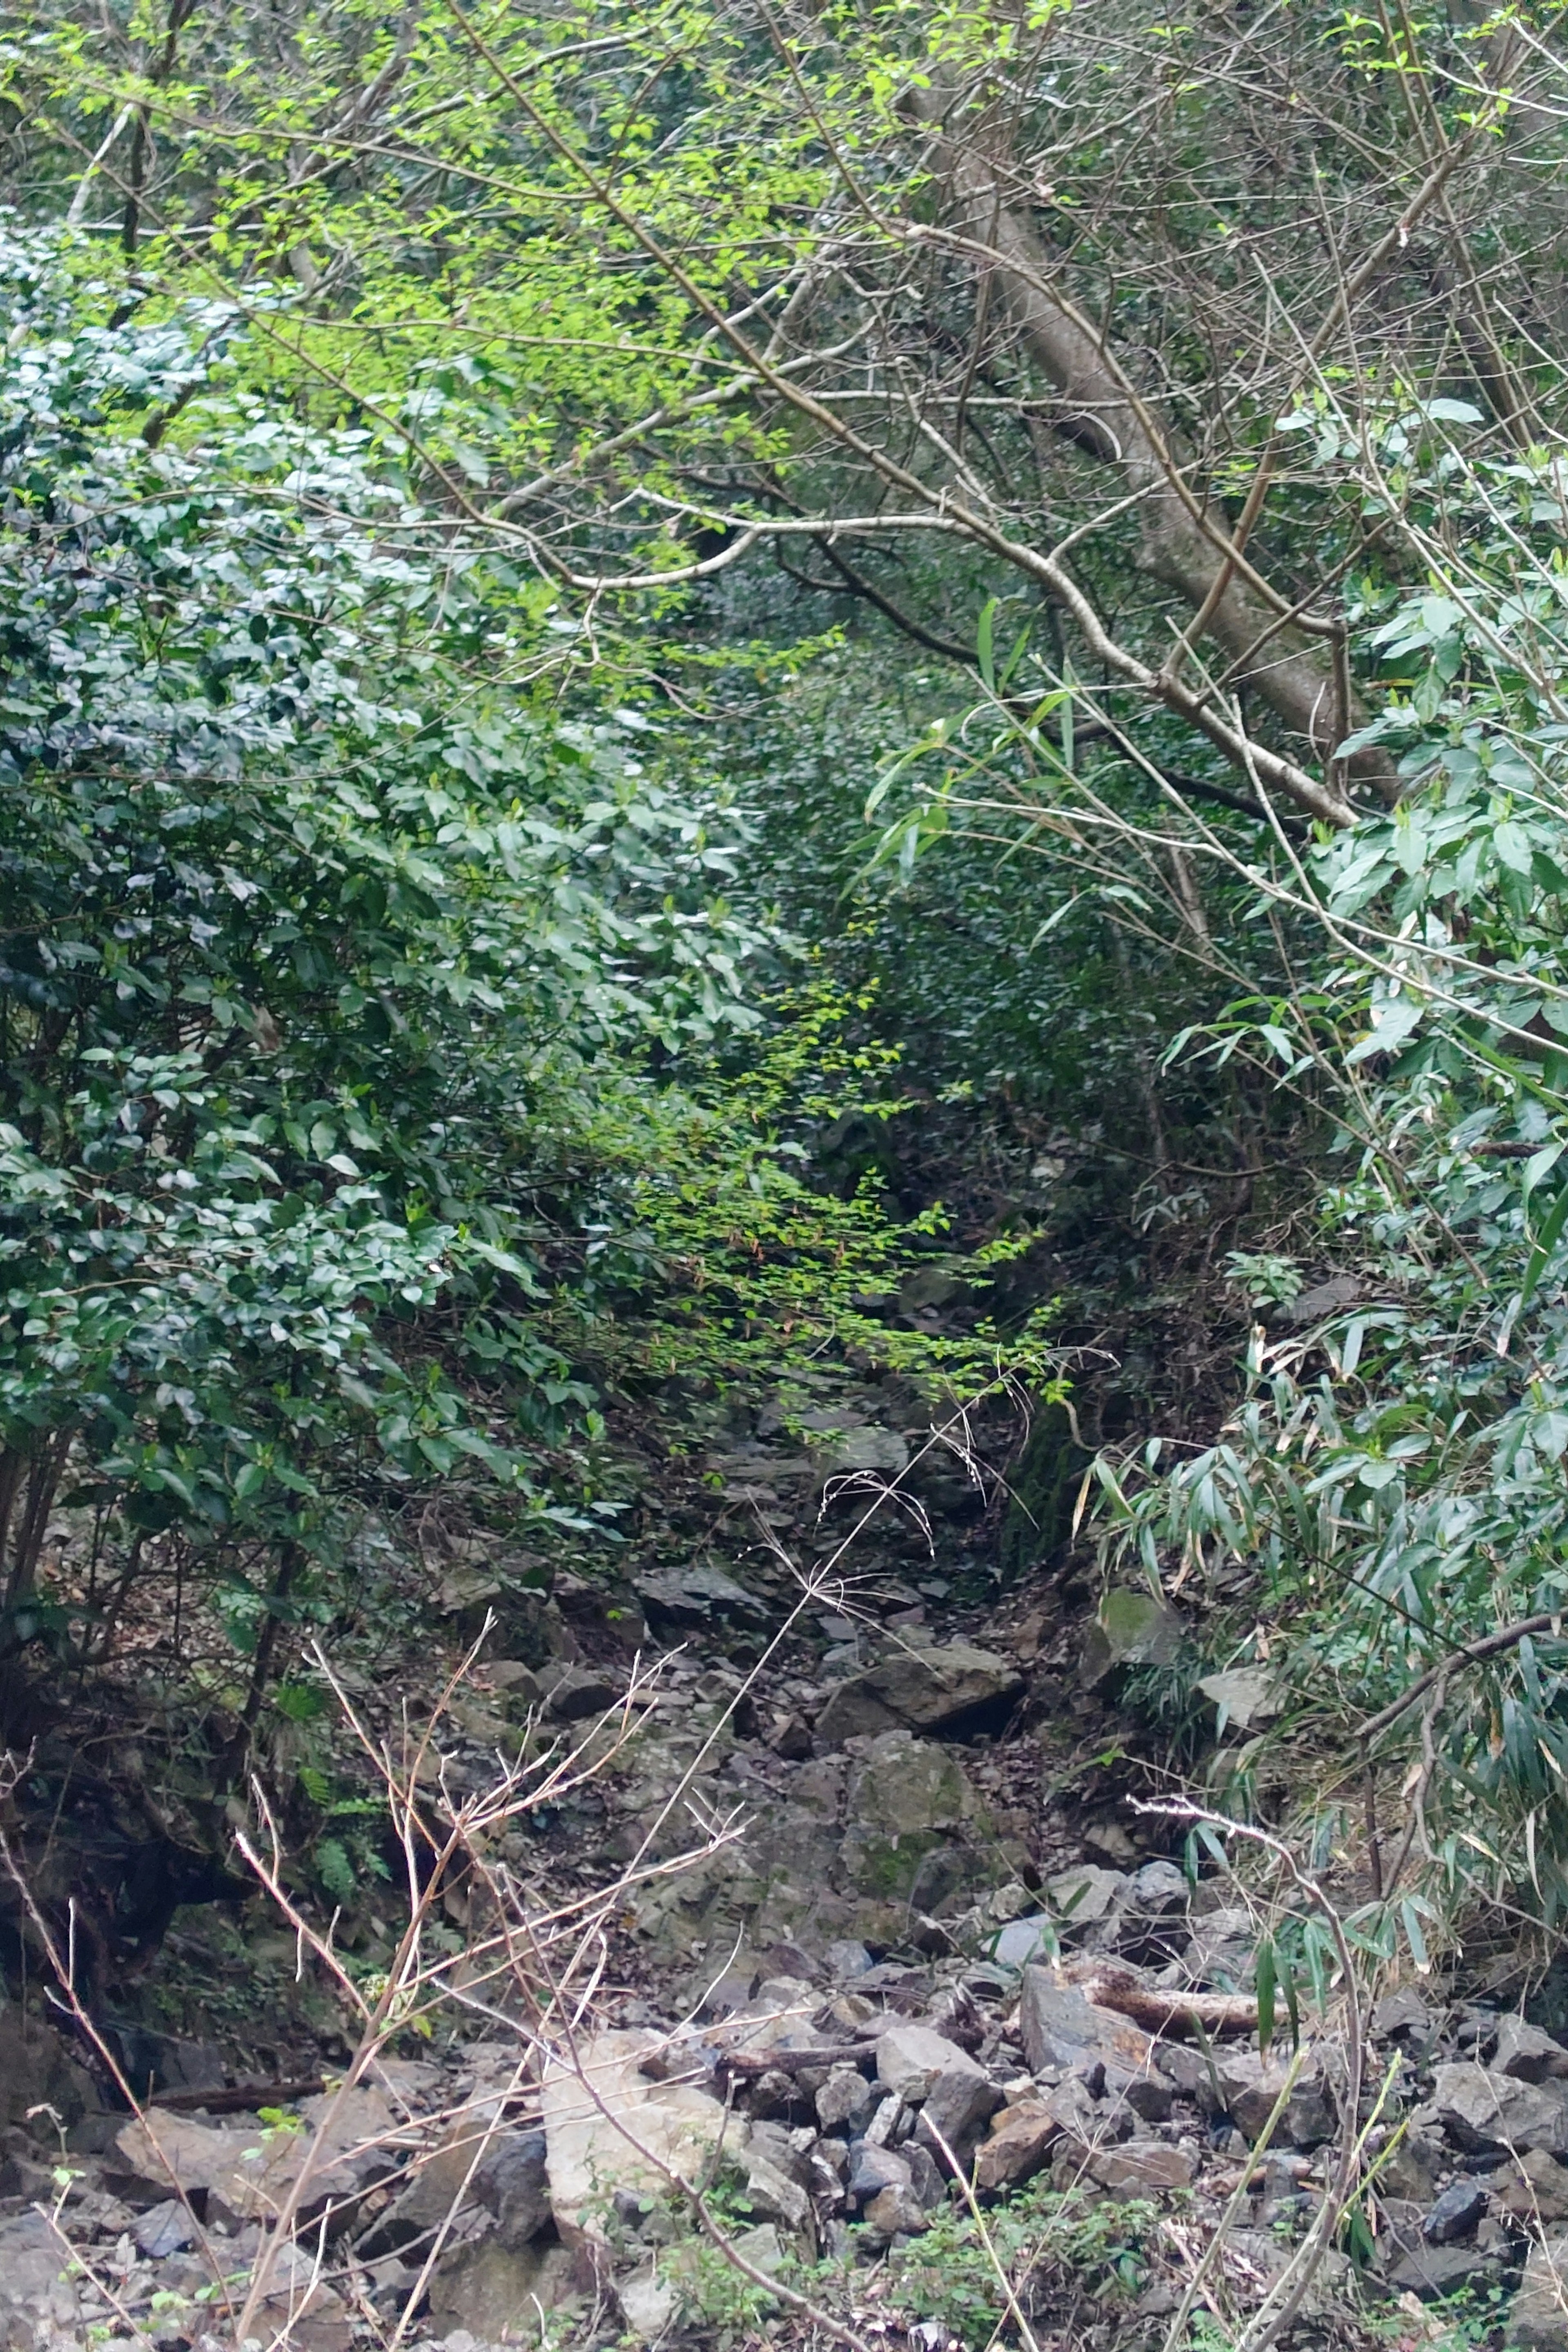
939 1689
607 2125
495 2291
38 2302
472 2163
1483 2111
918 1836
346 2142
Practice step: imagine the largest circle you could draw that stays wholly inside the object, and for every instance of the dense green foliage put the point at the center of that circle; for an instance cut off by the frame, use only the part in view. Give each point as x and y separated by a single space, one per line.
669 670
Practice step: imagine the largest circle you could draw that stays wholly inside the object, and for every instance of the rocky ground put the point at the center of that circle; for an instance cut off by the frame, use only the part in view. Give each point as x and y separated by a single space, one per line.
952 2035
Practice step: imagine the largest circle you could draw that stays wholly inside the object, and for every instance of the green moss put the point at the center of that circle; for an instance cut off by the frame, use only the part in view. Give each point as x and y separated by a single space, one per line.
1037 1528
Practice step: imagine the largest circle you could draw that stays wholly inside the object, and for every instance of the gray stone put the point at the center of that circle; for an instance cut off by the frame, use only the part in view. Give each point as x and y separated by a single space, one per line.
1073 2110
1059 2028
912 2059
918 1834
889 2124
474 2162
1454 2214
589 2157
573 1692
1527 2053
1400 2013
895 2211
1484 2111
246 2171
875 2168
1084 1897
1244 1695
164 2229
696 1595
491 2289
956 2106
772 2196
1250 2085
1150 2095
648 2299
1533 2189
845 2101
1022 1942
37 2071
35 2297
775 2144
1431 2272
846 1961
1160 1887
1537 2321
513 2182
919 1690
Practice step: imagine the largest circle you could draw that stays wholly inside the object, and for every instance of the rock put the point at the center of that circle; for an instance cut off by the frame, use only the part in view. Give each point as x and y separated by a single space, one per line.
1455 2214
1141 2168
1083 1898
845 2101
896 2210
1071 2106
590 2125
37 2071
1432 2272
1132 1629
1527 2053
1537 2321
648 2299
889 2124
1219 1951
933 1689
35 2297
508 2177
513 2182
573 1692
1483 2111
1160 1887
491 2289
1149 2096
846 1960
910 2059
1400 2013
918 1834
1531 2188
772 2196
1249 2085
164 2229
1058 2027
956 2106
1245 1696
347 2144
1023 1940
1109 1842
1019 2140
695 1596
876 2168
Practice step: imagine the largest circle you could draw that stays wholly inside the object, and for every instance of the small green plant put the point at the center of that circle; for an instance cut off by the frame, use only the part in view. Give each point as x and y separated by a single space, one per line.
1039 2240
